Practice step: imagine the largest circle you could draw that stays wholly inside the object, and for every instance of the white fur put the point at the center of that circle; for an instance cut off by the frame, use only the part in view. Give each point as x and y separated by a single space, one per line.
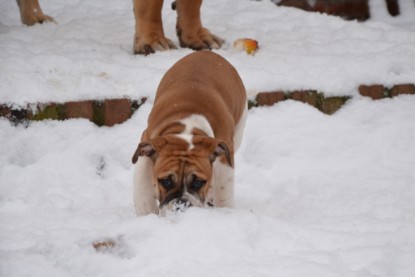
223 174
145 198
191 122
188 138
239 129
223 177
144 193
197 121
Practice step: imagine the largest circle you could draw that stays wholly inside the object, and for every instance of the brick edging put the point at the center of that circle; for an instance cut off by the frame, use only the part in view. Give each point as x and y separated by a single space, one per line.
380 91
101 112
115 111
328 105
331 104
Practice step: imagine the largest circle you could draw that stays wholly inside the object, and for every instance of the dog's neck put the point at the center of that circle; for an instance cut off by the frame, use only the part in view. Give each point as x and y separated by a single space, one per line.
194 125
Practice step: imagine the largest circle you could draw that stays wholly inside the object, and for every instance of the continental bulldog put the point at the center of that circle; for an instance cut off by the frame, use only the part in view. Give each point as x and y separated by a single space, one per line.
186 154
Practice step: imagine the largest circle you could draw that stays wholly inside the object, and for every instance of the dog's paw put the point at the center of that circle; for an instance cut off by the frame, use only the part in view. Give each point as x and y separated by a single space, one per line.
146 46
33 18
198 40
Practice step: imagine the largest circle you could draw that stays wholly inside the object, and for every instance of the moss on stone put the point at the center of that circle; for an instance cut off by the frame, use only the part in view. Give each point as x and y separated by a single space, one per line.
330 105
50 111
99 114
252 104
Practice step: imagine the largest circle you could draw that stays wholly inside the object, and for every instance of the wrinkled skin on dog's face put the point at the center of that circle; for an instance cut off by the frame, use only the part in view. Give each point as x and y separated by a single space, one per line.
182 173
181 182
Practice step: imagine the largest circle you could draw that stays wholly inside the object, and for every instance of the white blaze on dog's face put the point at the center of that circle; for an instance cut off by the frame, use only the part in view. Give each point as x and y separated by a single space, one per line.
182 169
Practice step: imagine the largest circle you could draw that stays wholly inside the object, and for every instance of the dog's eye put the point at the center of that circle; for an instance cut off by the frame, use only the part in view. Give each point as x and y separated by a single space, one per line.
167 183
197 184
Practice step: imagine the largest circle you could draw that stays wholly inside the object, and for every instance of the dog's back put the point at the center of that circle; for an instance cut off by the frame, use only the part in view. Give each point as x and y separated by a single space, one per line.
200 83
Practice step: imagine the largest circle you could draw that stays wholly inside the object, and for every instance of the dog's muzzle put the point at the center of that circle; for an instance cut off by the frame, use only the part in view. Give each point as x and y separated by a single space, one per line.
181 205
177 205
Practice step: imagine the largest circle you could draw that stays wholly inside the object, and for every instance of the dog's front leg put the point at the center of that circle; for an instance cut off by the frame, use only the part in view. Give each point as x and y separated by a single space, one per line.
189 27
31 13
149 35
144 192
223 178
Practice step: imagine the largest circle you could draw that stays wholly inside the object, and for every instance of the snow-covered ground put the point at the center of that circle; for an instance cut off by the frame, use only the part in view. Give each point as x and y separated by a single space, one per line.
316 195
88 54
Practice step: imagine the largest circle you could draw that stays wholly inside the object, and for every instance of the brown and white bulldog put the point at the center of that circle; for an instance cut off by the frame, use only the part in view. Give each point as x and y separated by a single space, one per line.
186 154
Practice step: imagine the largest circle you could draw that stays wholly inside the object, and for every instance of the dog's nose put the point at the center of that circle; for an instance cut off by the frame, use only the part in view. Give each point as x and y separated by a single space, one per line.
182 204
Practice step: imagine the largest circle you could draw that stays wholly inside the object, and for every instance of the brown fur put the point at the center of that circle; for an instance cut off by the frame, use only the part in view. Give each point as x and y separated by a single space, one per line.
31 13
149 35
201 83
179 163
204 84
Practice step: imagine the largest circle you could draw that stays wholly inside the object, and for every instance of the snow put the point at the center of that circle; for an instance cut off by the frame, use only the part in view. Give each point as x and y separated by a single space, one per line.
316 195
88 54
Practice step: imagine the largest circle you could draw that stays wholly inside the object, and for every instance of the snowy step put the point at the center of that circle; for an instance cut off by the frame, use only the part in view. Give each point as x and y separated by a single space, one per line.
327 105
102 112
331 104
115 111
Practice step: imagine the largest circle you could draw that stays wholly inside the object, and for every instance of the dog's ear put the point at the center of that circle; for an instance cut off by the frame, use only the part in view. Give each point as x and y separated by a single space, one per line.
215 148
144 149
149 148
221 149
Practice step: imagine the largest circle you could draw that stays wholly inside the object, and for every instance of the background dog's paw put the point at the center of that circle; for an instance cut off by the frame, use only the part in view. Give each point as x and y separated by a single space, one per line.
33 18
149 46
201 39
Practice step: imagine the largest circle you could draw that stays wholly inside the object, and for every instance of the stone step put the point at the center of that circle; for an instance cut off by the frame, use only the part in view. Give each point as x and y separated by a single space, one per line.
115 111
102 112
329 104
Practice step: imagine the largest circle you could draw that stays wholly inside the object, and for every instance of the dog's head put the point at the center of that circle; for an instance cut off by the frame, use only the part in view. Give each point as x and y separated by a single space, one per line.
182 171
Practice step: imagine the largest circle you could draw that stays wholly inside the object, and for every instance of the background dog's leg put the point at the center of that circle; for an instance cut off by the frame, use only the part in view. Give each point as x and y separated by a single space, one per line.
144 193
223 177
189 27
149 35
31 13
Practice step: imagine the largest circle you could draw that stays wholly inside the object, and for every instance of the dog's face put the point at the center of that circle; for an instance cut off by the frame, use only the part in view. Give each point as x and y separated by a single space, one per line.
182 171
